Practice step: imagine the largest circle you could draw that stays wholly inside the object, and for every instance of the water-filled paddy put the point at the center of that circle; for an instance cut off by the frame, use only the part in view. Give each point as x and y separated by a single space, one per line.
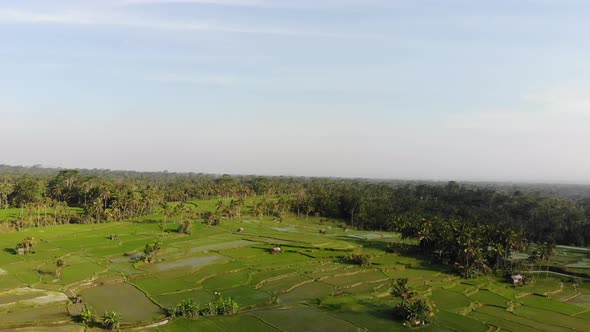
186 263
308 286
133 305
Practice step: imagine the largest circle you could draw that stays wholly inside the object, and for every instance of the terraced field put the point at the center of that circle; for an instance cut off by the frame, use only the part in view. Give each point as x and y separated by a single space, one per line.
308 287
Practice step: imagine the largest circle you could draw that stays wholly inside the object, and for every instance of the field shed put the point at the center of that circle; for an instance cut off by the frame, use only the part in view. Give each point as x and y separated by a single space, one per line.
518 279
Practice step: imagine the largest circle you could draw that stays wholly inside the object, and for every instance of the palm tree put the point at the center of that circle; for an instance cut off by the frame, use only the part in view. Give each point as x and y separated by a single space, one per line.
180 210
401 290
86 188
59 265
167 211
5 190
185 226
27 243
220 206
547 251
151 252
415 308
111 320
420 311
533 258
105 195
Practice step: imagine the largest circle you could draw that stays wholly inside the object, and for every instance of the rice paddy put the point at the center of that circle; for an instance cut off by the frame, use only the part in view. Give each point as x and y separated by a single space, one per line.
308 287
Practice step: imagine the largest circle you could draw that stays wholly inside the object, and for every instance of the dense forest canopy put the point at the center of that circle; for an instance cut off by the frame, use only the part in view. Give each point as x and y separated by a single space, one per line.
546 213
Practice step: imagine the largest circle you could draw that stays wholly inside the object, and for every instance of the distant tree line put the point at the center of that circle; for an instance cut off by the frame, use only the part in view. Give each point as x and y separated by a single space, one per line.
46 196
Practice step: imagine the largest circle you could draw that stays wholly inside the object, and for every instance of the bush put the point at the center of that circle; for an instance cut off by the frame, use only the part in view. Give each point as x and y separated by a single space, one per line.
220 307
185 227
360 259
111 320
210 218
87 316
391 248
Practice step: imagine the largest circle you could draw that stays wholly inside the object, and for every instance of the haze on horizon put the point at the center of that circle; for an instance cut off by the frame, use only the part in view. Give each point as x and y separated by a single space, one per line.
463 90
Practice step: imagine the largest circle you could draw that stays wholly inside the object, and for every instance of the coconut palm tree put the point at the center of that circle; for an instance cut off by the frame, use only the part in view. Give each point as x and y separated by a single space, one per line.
27 243
185 226
546 251
59 265
401 290
420 311
151 252
5 190
167 211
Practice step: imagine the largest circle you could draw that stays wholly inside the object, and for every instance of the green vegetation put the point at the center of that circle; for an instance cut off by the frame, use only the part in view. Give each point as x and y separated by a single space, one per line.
220 307
345 249
150 252
360 259
415 308
87 317
111 320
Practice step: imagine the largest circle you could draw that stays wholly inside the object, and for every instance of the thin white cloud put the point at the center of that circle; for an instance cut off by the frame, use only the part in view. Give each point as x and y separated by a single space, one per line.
215 80
568 97
121 19
282 4
559 110
240 3
16 16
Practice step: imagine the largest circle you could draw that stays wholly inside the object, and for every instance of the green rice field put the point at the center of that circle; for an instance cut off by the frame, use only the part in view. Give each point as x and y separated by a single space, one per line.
308 287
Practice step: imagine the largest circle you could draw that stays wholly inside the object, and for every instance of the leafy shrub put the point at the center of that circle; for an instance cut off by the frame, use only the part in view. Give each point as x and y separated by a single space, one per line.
360 259
111 320
220 307
185 227
87 316
391 248
210 218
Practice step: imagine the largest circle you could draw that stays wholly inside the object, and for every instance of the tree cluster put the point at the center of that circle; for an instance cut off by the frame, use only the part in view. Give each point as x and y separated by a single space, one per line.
473 249
47 197
220 307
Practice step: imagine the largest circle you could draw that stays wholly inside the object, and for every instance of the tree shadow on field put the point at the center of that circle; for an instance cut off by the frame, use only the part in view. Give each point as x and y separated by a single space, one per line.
147 221
10 250
45 273
376 310
401 248
380 311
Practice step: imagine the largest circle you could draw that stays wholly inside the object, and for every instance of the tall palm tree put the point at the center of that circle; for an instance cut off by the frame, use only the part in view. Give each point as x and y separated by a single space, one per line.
546 251
167 211
105 194
5 190
59 265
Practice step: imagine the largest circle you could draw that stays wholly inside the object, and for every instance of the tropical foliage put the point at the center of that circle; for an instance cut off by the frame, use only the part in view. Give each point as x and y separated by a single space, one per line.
111 320
220 307
415 308
150 252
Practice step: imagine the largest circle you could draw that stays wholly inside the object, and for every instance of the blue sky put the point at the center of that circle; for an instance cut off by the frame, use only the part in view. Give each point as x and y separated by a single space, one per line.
458 89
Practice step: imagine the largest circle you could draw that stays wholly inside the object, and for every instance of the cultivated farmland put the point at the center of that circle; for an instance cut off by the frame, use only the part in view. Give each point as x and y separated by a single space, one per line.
308 286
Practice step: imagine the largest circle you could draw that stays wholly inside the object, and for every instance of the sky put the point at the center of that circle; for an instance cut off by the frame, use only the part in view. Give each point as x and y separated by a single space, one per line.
463 90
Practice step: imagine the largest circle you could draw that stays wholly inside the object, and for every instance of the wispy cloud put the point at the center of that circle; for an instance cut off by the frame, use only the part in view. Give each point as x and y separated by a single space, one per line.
239 3
209 80
128 20
17 16
560 110
284 4
571 97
